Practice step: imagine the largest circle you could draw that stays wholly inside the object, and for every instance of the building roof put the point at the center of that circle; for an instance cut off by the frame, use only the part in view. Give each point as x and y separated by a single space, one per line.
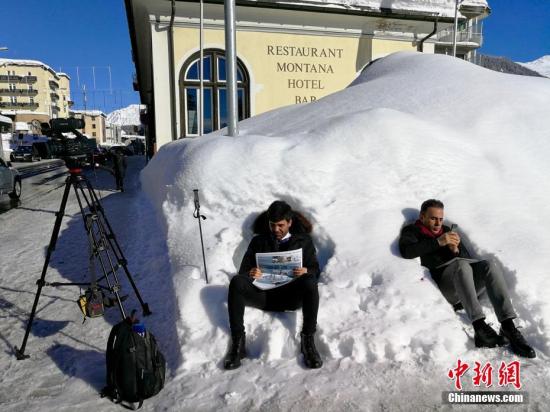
443 8
24 62
89 112
5 119
440 8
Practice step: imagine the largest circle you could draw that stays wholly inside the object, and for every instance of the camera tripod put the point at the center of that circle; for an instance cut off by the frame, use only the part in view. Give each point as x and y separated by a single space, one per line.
104 249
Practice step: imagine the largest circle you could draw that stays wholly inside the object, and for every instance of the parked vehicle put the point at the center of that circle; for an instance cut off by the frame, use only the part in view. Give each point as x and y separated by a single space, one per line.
10 180
24 154
45 149
99 156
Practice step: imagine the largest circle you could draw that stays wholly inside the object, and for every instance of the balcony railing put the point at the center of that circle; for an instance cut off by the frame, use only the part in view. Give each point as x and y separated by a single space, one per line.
462 37
19 92
12 78
18 104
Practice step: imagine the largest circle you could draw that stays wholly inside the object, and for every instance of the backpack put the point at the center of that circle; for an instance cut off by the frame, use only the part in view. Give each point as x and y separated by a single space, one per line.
135 365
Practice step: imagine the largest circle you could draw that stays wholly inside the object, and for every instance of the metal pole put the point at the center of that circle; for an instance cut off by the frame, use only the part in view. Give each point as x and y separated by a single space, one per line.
455 28
201 74
197 215
231 67
110 81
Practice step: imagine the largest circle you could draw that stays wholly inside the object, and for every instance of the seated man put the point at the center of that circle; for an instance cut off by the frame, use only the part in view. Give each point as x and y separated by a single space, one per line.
281 229
460 278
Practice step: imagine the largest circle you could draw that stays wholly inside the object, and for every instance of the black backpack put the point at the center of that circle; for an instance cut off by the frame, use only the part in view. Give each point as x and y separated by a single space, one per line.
135 365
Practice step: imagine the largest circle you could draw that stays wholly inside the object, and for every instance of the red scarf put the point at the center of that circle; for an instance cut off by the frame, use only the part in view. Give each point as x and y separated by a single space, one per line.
427 231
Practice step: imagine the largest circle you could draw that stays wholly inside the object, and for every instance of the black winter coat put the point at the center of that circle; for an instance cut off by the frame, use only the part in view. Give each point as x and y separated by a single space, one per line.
413 243
265 243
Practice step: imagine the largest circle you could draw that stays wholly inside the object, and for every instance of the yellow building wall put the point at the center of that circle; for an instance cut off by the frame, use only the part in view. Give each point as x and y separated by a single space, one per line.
285 68
382 47
43 85
64 96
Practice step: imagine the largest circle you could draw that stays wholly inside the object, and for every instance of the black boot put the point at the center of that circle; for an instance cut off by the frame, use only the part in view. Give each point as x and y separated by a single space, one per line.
236 352
486 337
312 359
518 343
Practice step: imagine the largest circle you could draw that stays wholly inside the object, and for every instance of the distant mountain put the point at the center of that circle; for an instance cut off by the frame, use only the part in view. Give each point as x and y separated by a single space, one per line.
127 116
505 65
541 65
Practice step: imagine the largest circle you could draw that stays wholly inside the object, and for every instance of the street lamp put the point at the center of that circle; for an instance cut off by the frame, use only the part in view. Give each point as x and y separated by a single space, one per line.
3 48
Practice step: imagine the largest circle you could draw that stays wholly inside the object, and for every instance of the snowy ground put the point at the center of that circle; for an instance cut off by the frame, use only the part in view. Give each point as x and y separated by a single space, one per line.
67 365
358 163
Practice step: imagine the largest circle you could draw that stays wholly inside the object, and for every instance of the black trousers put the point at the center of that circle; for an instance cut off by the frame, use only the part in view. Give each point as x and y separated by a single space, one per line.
119 178
301 292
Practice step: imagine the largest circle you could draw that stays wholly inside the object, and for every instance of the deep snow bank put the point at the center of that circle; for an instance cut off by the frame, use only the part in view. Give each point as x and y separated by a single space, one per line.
358 163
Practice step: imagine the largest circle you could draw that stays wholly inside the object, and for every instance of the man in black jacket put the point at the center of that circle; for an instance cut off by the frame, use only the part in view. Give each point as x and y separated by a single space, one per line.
119 167
461 278
281 229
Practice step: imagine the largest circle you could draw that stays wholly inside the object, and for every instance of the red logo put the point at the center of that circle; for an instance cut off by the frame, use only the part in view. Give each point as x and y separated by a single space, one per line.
508 374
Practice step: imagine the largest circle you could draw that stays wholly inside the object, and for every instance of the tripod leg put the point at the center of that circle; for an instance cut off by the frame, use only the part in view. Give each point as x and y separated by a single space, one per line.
115 247
20 353
97 240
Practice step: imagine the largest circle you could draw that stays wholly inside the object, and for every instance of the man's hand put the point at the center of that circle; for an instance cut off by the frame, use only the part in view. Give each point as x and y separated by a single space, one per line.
299 271
451 240
255 273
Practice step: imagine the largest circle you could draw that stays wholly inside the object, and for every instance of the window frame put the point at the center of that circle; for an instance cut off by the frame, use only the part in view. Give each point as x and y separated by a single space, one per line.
214 84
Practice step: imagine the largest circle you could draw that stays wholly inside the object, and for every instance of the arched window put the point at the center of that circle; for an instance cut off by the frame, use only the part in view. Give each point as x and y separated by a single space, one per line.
215 92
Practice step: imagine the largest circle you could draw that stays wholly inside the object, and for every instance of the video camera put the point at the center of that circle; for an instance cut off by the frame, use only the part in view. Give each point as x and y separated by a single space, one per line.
73 150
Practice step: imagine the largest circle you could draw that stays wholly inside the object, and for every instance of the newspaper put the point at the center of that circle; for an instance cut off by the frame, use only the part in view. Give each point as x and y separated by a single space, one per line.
458 258
277 268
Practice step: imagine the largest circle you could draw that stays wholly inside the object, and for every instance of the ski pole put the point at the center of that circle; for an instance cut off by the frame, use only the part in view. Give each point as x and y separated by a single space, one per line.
197 215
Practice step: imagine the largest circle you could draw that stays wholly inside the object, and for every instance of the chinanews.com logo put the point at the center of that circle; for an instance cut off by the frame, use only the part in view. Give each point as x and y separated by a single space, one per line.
484 375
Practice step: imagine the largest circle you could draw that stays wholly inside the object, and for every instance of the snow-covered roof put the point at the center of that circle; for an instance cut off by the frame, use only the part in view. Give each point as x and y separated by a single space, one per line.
89 112
5 119
23 112
443 8
24 62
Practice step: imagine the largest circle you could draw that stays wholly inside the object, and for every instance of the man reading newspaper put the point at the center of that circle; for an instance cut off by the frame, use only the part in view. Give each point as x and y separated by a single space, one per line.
280 229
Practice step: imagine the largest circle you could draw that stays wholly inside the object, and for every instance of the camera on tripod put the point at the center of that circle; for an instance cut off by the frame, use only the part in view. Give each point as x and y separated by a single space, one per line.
105 252
76 150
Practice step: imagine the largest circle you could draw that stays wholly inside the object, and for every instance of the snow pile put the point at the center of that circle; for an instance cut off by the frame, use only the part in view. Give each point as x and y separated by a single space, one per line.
445 8
127 116
358 163
541 65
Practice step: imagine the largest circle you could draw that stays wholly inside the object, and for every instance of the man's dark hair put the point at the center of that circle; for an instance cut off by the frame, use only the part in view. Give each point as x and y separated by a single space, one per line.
279 210
431 203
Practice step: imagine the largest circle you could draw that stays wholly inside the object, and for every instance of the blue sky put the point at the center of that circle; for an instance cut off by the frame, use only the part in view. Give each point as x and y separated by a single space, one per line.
65 34
517 29
93 36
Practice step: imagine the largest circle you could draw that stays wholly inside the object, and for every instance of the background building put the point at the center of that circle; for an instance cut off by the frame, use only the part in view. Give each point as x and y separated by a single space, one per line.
113 133
31 90
94 124
288 53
